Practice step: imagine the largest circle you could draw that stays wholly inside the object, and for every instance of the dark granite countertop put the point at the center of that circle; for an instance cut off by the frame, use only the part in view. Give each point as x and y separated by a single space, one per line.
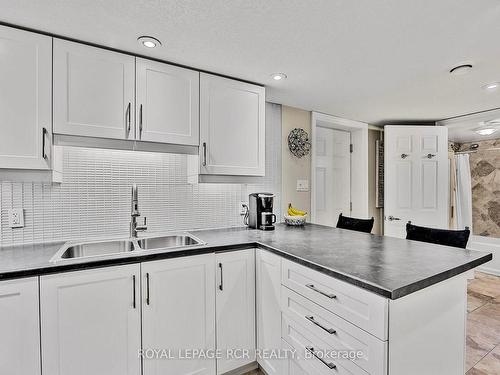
390 267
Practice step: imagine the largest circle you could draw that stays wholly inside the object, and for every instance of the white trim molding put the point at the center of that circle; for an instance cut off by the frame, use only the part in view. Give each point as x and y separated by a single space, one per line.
489 244
359 160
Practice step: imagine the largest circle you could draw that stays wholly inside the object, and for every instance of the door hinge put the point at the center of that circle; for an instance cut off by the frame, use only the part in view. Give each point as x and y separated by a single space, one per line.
351 148
350 206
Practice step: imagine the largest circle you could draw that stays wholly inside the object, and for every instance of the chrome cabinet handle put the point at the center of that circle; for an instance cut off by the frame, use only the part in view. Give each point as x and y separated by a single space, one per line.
204 154
404 156
331 331
44 135
392 218
128 118
330 365
221 285
430 156
140 121
133 302
329 295
147 289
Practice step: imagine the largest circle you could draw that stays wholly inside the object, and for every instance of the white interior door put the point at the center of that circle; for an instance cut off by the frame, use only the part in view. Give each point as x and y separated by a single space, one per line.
333 175
416 178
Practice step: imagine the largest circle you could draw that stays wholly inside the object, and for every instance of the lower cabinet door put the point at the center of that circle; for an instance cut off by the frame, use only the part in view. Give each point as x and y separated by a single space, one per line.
19 327
268 271
178 318
90 322
235 306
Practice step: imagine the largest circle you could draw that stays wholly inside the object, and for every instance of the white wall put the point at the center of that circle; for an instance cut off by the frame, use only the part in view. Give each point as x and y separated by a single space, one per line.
94 198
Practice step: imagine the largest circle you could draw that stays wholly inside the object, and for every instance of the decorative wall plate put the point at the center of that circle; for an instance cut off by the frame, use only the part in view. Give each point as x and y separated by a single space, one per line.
298 142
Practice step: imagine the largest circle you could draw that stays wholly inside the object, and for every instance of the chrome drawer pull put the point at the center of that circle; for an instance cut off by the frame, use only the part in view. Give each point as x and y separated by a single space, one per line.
331 331
329 295
330 365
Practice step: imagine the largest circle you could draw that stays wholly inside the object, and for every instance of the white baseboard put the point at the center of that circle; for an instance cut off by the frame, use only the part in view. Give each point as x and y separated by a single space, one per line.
491 245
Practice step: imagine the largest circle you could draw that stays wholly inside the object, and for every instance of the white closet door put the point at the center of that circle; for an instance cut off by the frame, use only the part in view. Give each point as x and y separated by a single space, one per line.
232 127
25 99
333 175
19 327
167 103
93 91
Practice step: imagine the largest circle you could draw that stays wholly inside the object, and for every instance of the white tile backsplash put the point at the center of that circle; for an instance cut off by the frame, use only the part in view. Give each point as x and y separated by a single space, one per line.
94 198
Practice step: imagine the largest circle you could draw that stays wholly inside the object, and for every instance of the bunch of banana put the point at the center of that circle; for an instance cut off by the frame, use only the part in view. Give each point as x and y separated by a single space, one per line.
294 212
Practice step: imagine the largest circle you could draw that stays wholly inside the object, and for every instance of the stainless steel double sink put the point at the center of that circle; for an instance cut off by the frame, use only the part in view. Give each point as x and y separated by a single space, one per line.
72 250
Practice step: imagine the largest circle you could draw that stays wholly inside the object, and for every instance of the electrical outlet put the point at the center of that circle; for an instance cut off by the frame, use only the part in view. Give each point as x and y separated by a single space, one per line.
243 208
302 185
16 218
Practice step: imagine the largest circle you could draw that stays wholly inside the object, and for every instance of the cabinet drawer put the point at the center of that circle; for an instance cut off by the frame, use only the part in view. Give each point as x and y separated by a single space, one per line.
306 343
358 306
335 331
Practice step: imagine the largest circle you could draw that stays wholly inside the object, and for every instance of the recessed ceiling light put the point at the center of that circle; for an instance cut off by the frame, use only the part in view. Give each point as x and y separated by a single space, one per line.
486 131
491 86
461 69
149 41
278 76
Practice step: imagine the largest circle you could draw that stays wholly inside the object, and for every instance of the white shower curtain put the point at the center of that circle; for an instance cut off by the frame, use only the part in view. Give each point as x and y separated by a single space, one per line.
463 192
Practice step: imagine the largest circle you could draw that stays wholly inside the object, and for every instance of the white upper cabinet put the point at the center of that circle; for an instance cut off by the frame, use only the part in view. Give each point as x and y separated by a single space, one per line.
178 301
25 99
91 322
167 103
232 127
235 308
19 327
93 91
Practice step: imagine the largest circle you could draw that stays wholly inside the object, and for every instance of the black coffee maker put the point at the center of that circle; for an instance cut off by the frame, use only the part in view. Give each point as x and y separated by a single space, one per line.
260 211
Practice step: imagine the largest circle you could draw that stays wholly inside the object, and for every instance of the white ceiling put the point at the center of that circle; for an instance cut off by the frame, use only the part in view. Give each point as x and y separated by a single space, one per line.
375 61
462 129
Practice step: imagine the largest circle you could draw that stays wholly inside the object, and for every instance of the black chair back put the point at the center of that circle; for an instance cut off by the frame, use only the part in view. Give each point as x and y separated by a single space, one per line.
352 223
455 238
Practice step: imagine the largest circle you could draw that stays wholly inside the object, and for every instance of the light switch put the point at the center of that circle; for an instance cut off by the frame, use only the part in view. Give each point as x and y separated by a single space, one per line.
302 185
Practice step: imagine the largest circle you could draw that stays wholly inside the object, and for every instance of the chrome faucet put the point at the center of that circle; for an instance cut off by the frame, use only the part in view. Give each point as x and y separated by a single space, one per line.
134 214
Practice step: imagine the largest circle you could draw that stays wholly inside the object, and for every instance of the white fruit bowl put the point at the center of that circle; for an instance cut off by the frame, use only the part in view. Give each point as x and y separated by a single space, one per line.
295 220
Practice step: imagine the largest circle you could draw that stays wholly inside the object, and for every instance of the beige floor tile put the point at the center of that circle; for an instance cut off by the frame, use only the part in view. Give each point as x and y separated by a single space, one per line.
488 285
476 300
489 365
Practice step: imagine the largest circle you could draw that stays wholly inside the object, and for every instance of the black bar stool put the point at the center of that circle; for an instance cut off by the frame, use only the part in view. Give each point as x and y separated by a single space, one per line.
352 223
455 238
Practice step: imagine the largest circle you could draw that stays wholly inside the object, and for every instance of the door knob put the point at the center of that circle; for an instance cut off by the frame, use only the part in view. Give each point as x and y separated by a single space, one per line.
404 156
392 218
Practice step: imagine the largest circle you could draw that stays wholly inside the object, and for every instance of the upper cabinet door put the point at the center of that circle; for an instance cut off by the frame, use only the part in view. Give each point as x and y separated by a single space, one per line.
25 99
232 127
19 327
93 91
167 103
